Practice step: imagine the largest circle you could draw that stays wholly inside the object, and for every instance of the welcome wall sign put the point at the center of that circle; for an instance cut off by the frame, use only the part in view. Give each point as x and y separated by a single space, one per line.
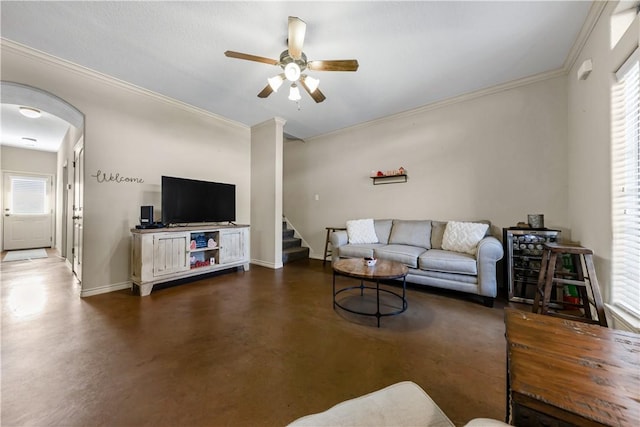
104 177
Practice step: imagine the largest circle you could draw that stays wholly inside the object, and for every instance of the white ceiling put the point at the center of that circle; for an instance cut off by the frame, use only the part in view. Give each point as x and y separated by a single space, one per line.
411 53
48 130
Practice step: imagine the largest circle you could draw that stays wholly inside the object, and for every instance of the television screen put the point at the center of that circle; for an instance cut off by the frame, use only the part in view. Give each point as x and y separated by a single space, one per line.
190 201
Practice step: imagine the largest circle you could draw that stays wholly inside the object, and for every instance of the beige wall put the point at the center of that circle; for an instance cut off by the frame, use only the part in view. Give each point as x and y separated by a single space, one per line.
139 135
266 193
589 143
499 156
21 160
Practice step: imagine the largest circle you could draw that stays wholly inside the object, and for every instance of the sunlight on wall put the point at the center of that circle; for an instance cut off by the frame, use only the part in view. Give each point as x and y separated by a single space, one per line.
621 19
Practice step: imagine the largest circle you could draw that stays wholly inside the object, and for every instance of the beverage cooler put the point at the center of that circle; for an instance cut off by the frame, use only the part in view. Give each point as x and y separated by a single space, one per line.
523 248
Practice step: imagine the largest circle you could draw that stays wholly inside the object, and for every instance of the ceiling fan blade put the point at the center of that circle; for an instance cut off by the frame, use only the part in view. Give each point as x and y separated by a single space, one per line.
239 55
297 29
265 92
334 65
316 94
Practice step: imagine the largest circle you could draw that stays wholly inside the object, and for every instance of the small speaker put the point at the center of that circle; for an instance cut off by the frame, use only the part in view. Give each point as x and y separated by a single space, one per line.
146 215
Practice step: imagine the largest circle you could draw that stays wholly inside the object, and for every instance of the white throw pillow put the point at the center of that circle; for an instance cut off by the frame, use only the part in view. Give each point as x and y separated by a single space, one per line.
361 231
463 236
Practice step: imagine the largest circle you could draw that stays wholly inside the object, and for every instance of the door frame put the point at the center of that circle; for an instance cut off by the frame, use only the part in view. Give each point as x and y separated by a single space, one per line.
77 212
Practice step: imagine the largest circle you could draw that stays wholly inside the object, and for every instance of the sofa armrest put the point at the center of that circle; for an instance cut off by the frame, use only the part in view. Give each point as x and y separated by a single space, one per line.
485 422
338 238
489 252
401 404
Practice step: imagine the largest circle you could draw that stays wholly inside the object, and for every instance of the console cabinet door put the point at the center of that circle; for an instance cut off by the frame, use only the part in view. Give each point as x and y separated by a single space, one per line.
233 245
170 253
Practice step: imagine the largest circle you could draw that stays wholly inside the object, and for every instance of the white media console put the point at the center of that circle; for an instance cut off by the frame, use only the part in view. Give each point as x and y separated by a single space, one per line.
165 254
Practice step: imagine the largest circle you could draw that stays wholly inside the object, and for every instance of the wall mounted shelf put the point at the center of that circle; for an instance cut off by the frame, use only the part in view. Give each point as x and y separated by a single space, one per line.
389 179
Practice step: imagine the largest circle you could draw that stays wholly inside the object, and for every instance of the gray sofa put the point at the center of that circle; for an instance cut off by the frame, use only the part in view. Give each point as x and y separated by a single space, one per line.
419 245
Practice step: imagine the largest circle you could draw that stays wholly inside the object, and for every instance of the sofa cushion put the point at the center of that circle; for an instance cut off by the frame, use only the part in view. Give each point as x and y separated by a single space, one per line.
407 255
437 233
448 262
413 233
383 229
361 231
463 236
358 251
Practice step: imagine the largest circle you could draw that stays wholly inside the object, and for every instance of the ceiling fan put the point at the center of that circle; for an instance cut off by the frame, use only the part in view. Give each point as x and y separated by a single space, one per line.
293 62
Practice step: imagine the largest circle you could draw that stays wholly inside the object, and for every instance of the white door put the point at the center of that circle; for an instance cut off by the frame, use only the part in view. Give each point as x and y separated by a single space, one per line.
78 194
28 211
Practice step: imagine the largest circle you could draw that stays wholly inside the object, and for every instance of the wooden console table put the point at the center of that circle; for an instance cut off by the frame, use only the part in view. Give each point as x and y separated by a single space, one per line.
166 254
566 373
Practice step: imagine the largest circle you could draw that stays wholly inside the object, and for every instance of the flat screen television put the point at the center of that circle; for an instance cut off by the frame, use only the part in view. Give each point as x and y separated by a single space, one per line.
186 201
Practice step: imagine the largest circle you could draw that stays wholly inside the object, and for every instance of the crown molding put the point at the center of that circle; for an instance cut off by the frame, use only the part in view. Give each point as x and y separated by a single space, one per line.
514 84
595 11
50 60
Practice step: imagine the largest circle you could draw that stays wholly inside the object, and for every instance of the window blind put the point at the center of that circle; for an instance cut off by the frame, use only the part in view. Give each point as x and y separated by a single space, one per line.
626 187
28 195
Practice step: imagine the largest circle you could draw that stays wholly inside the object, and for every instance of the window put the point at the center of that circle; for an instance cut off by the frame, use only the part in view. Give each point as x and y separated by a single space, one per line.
29 195
626 187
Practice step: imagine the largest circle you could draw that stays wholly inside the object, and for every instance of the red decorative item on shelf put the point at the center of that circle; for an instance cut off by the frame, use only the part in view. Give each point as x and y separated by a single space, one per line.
380 173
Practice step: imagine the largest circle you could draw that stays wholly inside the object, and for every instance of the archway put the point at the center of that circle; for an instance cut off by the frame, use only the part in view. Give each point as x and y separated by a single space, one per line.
67 197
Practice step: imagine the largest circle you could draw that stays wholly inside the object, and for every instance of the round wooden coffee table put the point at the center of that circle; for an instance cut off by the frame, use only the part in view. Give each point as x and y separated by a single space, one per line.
383 270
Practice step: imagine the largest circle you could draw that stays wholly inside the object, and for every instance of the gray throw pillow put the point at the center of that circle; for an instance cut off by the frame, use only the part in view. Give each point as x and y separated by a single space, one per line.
437 233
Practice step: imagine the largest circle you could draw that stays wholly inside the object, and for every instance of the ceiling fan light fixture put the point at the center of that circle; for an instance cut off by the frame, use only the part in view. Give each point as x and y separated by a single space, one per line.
32 113
292 71
276 81
311 83
294 93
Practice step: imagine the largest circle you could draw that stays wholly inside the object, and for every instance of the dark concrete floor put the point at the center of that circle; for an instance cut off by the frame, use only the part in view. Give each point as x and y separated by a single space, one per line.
261 347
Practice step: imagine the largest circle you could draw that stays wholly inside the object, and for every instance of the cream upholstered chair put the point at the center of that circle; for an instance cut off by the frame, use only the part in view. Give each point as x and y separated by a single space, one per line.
400 404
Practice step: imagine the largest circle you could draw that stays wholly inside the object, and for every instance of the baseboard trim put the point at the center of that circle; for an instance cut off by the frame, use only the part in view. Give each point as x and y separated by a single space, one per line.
271 265
105 289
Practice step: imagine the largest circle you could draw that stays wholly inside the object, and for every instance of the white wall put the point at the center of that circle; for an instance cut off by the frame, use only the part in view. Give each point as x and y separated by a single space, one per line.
499 156
589 143
139 135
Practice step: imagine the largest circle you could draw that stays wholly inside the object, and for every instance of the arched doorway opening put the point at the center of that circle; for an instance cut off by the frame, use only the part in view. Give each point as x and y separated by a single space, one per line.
66 205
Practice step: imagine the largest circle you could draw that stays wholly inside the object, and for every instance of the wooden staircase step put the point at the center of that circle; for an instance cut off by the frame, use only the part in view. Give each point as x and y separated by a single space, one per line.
293 254
291 242
292 248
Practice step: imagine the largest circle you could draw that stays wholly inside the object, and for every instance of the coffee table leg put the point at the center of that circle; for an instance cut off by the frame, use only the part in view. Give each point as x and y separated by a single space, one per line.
361 288
404 293
334 290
